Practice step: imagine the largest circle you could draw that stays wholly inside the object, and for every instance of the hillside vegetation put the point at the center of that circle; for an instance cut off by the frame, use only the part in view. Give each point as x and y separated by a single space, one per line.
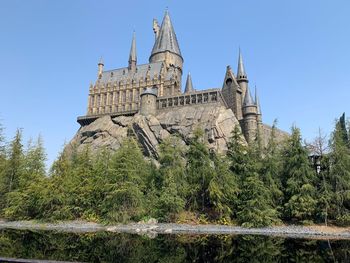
249 186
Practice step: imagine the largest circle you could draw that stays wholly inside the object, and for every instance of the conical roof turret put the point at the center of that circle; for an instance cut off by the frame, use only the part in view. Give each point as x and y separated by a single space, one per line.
166 39
257 102
241 74
248 100
189 86
132 55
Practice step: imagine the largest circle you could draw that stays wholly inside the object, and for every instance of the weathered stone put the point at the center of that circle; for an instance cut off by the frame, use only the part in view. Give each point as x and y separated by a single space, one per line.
215 120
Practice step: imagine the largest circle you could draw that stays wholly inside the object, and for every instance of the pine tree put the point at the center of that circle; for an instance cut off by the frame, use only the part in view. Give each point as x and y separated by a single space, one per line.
125 189
340 173
298 180
13 169
199 172
24 201
256 208
223 188
237 153
271 170
173 188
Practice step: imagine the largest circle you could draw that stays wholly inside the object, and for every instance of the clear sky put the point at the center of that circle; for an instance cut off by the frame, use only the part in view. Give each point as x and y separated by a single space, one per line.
295 52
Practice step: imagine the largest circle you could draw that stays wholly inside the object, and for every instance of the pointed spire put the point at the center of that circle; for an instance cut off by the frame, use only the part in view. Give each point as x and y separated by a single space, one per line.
166 40
248 100
241 74
132 56
189 86
257 102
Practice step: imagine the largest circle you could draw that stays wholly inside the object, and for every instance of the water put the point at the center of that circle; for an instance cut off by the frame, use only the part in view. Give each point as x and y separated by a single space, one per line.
111 247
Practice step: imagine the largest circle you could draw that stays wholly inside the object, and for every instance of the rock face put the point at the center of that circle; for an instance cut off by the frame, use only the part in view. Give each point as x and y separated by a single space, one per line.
217 122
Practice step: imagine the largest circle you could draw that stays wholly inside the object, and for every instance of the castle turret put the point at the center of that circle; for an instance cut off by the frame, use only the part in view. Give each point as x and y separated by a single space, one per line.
249 117
259 114
132 55
166 47
148 104
100 68
242 77
189 86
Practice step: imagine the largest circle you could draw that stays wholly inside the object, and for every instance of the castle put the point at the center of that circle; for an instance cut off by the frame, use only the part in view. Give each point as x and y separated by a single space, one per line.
149 89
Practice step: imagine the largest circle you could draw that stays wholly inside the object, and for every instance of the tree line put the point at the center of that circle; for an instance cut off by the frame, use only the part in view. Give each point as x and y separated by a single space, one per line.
252 186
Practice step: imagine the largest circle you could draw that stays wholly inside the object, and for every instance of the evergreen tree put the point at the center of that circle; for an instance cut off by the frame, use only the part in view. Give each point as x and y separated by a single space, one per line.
271 170
340 174
125 189
237 153
173 188
255 207
199 172
13 169
24 201
223 188
298 180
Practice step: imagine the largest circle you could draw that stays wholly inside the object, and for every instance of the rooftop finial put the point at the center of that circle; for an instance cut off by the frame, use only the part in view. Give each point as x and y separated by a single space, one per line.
100 62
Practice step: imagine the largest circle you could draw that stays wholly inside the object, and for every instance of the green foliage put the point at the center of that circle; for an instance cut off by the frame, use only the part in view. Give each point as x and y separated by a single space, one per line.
252 185
339 172
199 171
223 188
298 180
125 185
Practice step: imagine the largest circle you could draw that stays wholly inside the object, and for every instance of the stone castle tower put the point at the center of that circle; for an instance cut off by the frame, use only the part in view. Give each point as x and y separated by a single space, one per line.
149 89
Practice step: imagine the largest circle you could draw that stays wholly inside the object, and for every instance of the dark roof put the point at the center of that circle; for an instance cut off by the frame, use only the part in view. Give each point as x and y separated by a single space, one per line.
166 40
189 85
248 100
123 74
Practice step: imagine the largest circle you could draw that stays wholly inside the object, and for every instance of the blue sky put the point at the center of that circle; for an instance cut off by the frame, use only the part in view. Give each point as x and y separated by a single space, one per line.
295 52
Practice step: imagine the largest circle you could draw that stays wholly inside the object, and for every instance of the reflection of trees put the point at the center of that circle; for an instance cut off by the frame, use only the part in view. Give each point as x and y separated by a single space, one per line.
107 247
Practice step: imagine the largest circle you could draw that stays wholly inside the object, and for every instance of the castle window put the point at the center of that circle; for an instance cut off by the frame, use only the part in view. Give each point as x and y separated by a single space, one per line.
193 99
199 98
206 97
182 100
188 99
229 82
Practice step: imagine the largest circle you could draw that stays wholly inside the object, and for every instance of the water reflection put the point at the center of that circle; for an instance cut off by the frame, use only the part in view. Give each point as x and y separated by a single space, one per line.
106 247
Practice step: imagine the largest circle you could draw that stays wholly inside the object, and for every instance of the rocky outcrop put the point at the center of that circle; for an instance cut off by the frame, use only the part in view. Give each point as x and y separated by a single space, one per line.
215 120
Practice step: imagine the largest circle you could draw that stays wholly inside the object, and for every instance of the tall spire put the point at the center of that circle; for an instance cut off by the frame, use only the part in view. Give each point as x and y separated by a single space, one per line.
189 86
257 102
166 38
241 74
132 56
248 100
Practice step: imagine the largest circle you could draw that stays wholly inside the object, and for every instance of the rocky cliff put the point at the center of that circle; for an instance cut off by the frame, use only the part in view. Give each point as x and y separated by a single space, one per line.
216 121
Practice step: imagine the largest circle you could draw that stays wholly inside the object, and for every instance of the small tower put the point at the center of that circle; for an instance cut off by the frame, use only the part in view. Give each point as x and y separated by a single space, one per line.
242 77
132 55
259 114
100 68
249 117
189 86
166 47
148 104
